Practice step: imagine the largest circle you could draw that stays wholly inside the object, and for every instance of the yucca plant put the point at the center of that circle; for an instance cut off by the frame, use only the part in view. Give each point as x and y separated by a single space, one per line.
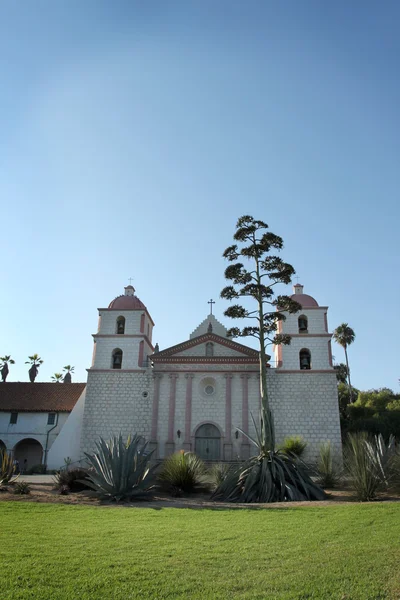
183 471
370 464
120 469
7 468
328 469
271 476
294 446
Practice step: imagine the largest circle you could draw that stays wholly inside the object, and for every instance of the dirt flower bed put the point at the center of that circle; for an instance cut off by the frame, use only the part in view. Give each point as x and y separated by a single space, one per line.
45 493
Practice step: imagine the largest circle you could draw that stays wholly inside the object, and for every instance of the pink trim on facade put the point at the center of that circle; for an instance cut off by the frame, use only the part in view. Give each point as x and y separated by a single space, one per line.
188 407
207 361
330 353
116 370
326 321
156 401
228 407
142 323
305 371
245 405
253 372
141 353
309 335
172 403
208 337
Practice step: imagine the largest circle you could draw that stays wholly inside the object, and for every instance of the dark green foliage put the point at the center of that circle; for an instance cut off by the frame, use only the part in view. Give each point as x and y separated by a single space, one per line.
64 490
22 488
329 472
119 469
341 372
183 471
294 446
371 465
375 411
75 480
37 470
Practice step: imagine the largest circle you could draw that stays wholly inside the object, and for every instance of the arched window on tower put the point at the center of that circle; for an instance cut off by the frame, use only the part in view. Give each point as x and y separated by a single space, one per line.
116 362
121 325
303 324
305 359
209 349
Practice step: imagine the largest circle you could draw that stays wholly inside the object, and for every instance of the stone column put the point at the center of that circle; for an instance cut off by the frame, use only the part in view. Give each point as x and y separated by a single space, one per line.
188 412
154 419
228 417
170 444
245 444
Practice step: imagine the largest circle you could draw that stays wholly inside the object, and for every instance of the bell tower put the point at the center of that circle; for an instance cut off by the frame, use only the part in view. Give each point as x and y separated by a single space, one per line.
124 337
310 347
120 383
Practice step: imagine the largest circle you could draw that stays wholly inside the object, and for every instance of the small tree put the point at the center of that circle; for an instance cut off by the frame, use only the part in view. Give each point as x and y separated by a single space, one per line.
272 475
344 336
35 361
57 377
5 361
68 370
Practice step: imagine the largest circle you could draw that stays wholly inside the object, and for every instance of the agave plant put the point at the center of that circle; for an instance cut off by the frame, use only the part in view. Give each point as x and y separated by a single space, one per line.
7 468
183 471
271 476
120 469
371 464
328 470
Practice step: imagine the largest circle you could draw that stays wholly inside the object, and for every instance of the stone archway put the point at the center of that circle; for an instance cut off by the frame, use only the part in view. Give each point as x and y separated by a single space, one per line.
208 442
28 453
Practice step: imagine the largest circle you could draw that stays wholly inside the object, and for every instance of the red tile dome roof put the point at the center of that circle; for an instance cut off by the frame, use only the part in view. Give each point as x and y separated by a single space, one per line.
305 300
127 301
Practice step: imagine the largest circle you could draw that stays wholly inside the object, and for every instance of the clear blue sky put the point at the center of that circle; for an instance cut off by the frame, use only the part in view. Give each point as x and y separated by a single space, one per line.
133 134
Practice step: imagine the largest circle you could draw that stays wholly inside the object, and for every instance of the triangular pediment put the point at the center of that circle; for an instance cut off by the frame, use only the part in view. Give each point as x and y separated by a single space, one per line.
195 348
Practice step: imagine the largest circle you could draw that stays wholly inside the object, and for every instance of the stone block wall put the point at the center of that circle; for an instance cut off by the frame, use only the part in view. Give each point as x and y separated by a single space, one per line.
116 402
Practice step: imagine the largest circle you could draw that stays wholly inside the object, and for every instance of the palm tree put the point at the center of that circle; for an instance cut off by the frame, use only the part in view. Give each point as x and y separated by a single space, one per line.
57 377
5 360
344 336
68 370
35 361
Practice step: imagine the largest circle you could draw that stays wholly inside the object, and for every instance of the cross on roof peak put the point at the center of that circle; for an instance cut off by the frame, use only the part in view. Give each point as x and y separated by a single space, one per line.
211 302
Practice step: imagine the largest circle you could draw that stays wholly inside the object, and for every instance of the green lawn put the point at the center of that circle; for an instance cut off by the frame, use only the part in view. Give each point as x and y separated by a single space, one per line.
51 551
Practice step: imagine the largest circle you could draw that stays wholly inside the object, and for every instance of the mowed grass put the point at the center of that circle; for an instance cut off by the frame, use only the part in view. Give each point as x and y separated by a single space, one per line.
346 552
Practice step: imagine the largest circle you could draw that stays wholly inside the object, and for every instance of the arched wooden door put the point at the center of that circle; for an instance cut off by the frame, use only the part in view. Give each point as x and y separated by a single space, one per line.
208 442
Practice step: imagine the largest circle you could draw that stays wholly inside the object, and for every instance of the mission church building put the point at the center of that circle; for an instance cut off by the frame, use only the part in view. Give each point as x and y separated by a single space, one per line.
194 395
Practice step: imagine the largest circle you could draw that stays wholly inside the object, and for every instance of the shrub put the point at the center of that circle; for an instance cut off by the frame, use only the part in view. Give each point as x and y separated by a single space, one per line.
328 471
120 469
217 474
371 464
22 488
64 490
37 470
183 471
75 480
7 468
294 446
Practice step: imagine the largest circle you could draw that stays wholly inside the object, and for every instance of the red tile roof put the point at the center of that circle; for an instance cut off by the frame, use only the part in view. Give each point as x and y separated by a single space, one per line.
39 397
